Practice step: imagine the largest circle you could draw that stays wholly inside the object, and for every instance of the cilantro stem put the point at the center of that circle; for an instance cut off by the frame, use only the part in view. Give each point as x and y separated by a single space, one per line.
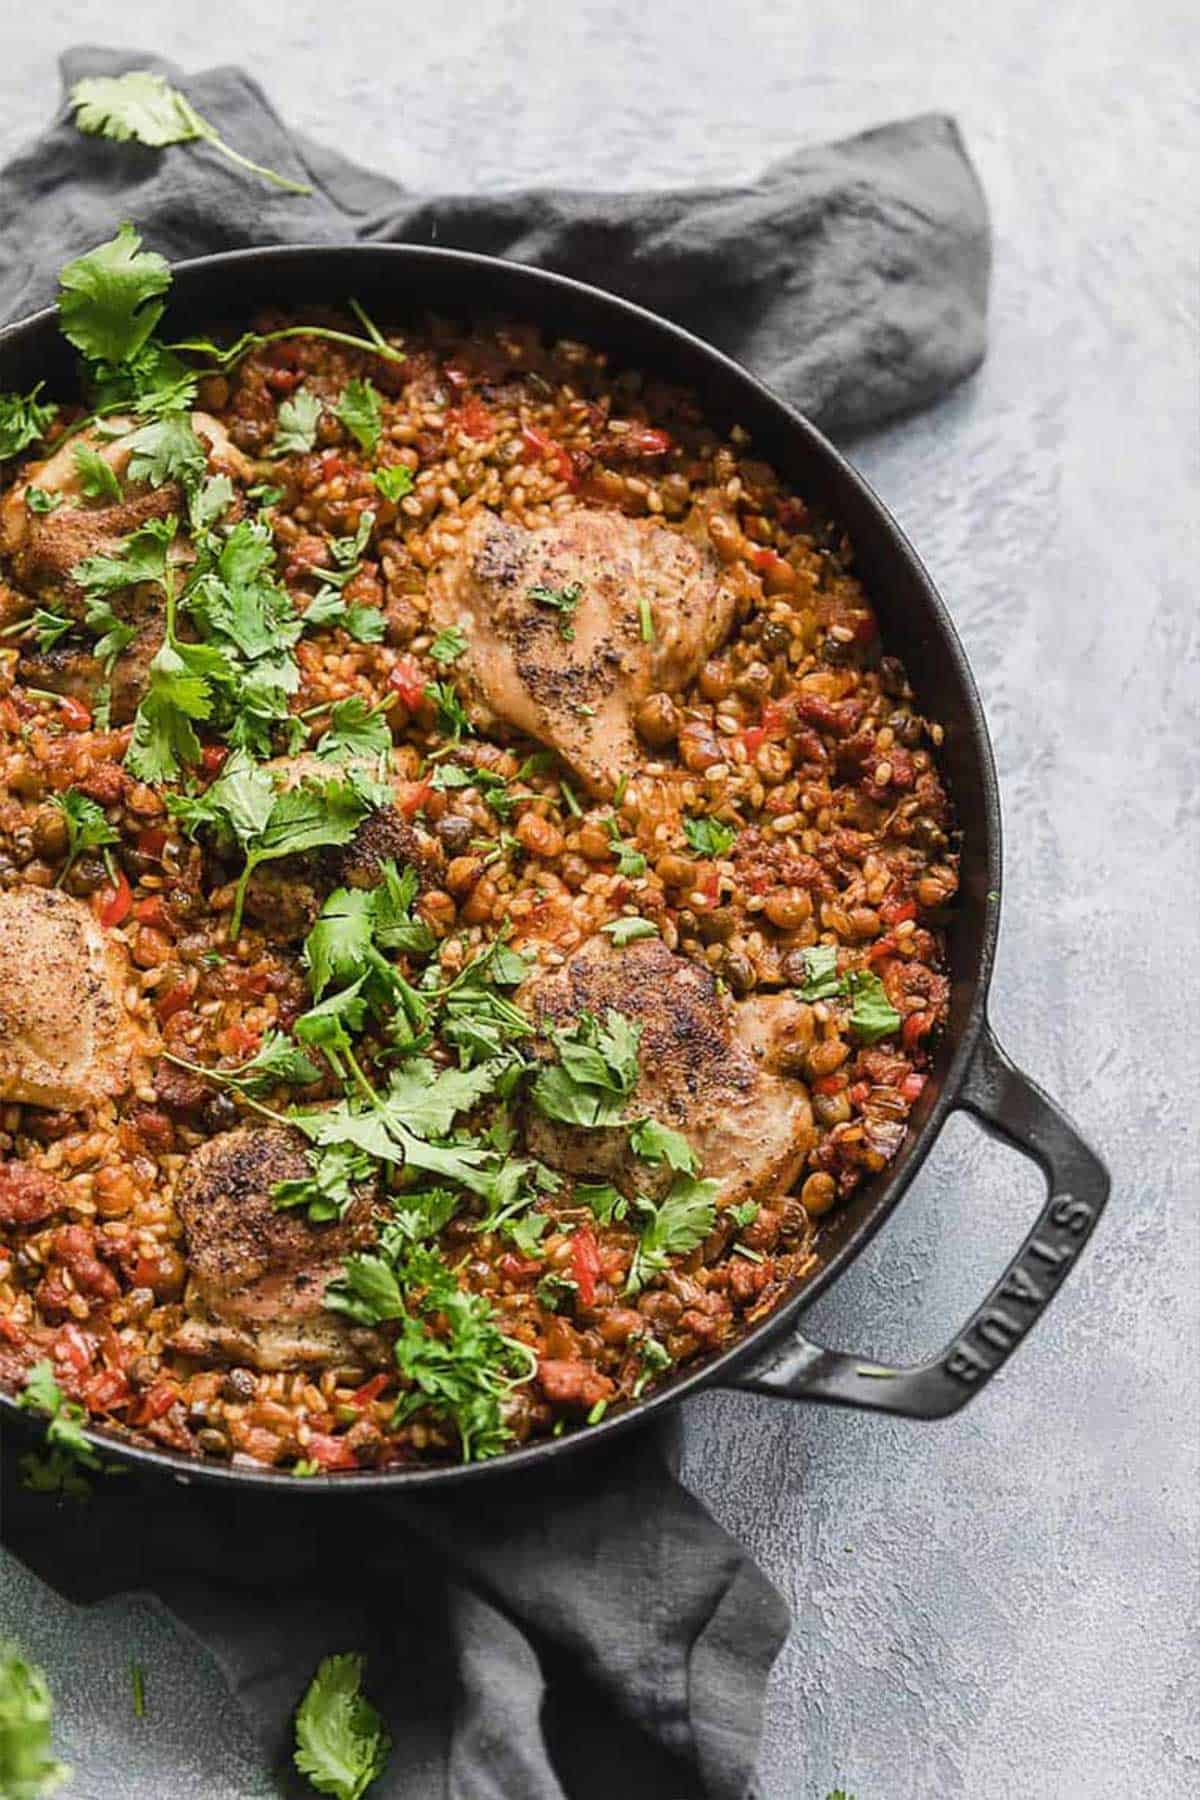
356 1070
236 353
214 138
226 1078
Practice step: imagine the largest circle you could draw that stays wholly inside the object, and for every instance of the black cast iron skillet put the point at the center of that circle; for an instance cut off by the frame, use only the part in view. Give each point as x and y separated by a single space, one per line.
972 1072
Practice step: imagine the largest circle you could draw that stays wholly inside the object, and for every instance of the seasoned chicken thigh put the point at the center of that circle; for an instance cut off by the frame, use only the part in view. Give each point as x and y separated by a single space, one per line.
258 1275
65 1036
569 628
750 1129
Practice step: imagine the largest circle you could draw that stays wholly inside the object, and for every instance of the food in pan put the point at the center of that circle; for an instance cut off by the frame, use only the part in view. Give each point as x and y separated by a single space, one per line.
472 883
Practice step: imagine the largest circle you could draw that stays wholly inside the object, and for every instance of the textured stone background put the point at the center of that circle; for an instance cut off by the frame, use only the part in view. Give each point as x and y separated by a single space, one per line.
1004 1604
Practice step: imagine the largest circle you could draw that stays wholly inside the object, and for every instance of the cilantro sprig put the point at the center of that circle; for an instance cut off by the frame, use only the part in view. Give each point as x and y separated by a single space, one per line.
342 1745
23 420
28 1768
872 1015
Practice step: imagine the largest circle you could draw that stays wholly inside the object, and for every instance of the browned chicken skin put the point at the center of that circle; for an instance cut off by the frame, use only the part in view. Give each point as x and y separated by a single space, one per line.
649 608
259 1275
750 1129
65 1037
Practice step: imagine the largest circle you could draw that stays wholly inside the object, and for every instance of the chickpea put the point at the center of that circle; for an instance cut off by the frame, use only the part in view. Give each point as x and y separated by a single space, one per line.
698 747
455 832
789 908
594 842
114 1193
936 886
818 1194
169 1274
462 873
657 720
437 909
675 871
715 679
726 539
832 1109
825 1057
478 908
754 682
50 832
25 778
863 921
538 835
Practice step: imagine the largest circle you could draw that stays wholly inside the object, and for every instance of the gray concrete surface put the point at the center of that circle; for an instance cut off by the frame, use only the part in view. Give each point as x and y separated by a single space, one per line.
1003 1605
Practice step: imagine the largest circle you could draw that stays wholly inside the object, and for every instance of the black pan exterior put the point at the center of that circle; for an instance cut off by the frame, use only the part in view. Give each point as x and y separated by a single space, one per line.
404 280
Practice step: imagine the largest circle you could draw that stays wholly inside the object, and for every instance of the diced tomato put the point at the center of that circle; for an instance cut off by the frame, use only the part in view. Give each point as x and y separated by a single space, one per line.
517 1268
881 948
331 1452
74 714
585 1262
282 381
537 446
829 1084
473 419
859 1091
106 1389
754 737
774 719
175 999
370 1390
709 886
912 1085
647 440
412 795
11 1332
915 1027
212 758
113 904
407 681
152 912
72 1348
156 1401
152 840
894 912
333 464
241 1040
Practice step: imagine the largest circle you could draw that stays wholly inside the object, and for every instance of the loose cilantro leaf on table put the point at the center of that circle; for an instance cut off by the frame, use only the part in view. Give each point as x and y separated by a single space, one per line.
675 1228
28 1769
97 478
360 410
708 836
87 828
23 420
342 1745
109 302
142 106
394 482
296 425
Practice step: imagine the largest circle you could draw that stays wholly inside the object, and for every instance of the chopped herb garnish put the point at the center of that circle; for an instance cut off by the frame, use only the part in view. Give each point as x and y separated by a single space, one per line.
39 501
23 420
394 482
628 931
569 801
562 600
360 410
655 1357
448 646
708 836
872 1015
452 720
28 1770
660 1144
596 1071
646 620
597 1412
87 828
97 478
820 966
675 1228
296 424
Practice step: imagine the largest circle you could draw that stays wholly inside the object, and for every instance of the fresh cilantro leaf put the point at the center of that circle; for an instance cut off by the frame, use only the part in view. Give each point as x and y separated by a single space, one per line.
142 556
239 801
309 817
419 1214
143 106
675 1228
49 627
328 1025
596 1071
23 420
448 646
872 1015
820 965
97 478
452 720
338 1172
628 931
708 836
264 494
569 801
743 1214
655 1357
87 827
180 693
296 426
28 1769
39 501
553 1291
109 303
394 482
341 1742
42 1394
659 1144
209 502
355 730
340 941
428 1104
395 927
276 1061
562 600
491 788
465 1372
360 410
168 449
150 382
114 635
630 862
607 1202
366 1290
526 1232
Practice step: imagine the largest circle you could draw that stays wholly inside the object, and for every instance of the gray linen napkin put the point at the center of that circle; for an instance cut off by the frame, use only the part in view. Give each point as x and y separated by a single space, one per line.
592 1630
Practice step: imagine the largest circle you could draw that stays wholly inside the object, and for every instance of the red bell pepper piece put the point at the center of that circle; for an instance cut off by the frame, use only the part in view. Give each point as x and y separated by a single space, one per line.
113 904
585 1261
407 681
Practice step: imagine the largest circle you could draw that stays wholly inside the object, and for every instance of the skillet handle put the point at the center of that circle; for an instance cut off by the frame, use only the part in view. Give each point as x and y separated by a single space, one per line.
1011 1107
